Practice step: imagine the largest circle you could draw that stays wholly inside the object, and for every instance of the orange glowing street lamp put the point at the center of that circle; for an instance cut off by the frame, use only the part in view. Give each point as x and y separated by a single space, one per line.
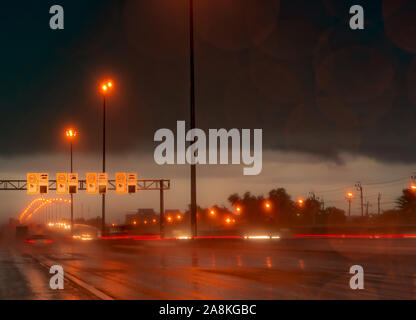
71 134
350 196
105 88
212 212
413 187
238 209
300 202
267 205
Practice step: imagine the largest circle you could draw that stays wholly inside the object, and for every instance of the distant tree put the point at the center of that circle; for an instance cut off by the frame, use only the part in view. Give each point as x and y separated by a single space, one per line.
406 204
407 201
283 208
334 215
310 211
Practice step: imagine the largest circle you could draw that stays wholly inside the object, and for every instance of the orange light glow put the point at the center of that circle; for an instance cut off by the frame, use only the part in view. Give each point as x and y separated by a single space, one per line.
413 187
107 86
154 220
212 212
350 194
134 222
238 209
169 219
145 221
71 133
228 220
179 217
300 202
267 205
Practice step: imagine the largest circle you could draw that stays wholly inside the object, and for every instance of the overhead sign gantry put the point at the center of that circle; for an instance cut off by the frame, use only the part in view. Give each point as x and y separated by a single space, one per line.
95 183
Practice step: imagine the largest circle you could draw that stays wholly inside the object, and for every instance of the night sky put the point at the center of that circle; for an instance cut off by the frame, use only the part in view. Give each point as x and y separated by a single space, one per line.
336 105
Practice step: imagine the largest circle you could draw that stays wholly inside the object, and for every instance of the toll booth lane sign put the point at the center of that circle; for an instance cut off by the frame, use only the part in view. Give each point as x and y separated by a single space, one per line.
73 183
121 186
102 183
61 183
91 183
132 182
43 183
32 183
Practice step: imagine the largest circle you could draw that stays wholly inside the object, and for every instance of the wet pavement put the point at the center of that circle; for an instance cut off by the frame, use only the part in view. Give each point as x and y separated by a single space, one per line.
212 269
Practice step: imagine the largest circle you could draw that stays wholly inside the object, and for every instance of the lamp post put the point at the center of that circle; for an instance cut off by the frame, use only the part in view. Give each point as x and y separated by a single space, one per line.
105 88
71 134
350 195
193 124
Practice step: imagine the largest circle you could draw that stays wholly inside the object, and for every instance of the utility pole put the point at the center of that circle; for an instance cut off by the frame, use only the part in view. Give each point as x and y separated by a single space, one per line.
360 188
367 205
378 203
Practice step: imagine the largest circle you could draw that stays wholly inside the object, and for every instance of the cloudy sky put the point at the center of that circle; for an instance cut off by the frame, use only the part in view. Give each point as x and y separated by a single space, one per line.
336 106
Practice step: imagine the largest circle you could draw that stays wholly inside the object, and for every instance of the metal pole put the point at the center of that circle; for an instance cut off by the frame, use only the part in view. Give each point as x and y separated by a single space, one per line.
162 211
349 207
103 195
192 96
72 198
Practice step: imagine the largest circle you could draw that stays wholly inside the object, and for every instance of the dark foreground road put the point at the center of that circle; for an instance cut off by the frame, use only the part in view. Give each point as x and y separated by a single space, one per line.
212 269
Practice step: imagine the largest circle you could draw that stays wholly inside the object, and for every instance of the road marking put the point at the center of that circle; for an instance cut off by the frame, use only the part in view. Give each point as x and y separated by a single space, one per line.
96 292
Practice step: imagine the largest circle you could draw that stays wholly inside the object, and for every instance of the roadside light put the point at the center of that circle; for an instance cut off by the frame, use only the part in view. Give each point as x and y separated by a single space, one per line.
300 202
169 219
238 209
106 86
134 222
413 187
350 195
113 225
71 133
267 205
228 220
212 212
145 221
179 217
154 220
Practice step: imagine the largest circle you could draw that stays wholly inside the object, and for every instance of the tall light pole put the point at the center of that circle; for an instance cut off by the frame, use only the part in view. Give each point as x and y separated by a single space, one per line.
105 88
71 134
350 195
193 121
360 188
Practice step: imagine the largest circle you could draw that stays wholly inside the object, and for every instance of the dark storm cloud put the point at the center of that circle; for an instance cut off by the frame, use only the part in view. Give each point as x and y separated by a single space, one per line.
293 68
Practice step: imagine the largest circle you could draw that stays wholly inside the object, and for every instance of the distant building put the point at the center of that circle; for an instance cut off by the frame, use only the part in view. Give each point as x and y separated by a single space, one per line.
143 215
148 215
172 212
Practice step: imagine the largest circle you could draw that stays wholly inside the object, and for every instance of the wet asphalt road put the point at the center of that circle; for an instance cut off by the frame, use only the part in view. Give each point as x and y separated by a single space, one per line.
211 269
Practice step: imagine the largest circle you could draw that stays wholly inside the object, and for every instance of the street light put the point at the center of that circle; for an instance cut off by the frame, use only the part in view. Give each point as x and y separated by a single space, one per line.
105 88
350 195
300 202
267 205
238 209
192 111
212 212
71 134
